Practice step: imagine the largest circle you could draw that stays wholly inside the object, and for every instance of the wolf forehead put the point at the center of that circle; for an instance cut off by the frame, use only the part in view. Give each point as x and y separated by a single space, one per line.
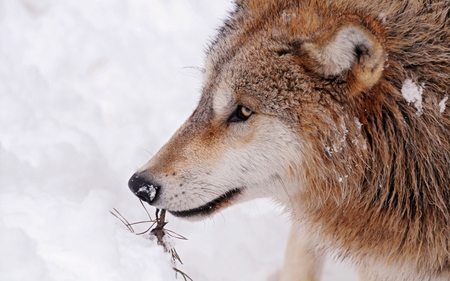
261 80
259 58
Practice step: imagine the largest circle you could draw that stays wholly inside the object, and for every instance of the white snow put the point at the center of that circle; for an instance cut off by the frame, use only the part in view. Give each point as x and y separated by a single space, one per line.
413 94
442 105
358 123
89 91
150 190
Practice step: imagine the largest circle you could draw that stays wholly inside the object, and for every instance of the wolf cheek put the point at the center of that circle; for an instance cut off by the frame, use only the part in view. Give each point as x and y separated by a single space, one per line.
196 181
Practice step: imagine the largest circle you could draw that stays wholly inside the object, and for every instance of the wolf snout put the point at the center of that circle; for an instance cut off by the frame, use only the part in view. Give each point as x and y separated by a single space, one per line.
143 188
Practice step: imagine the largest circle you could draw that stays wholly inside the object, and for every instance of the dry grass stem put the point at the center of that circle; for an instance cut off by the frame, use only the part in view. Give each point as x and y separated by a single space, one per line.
156 229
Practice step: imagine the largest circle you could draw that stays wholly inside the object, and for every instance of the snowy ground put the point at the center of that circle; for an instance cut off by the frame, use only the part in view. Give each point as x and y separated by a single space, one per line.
89 90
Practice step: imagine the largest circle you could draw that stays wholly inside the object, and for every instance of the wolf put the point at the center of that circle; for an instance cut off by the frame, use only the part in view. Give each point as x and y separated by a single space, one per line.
337 111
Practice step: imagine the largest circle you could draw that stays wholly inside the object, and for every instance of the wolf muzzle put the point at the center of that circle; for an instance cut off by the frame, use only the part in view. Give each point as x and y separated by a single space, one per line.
143 188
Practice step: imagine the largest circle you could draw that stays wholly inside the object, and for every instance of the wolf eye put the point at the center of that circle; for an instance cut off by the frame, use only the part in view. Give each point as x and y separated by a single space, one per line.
241 113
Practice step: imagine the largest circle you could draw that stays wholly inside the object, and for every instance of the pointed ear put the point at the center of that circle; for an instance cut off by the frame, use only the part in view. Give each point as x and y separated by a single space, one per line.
351 49
240 3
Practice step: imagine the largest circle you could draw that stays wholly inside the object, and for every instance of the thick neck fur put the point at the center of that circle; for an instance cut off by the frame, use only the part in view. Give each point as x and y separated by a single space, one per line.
390 179
394 196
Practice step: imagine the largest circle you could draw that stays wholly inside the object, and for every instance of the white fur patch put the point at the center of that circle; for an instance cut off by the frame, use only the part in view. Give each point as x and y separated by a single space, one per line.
222 101
413 94
263 164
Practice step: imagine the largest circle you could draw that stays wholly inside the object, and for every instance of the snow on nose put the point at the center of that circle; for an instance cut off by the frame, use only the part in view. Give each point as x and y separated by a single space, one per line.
142 188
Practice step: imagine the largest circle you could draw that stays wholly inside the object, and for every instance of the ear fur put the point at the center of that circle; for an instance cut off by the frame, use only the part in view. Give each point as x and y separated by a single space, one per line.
239 3
349 48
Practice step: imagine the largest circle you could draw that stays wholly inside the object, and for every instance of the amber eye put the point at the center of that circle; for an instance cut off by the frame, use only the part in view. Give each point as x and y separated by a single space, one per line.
245 112
241 113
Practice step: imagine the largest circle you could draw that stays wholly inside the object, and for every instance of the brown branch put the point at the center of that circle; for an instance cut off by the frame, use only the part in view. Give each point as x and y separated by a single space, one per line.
159 232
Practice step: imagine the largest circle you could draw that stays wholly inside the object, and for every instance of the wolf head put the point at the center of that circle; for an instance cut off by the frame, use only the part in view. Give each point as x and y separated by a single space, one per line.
276 75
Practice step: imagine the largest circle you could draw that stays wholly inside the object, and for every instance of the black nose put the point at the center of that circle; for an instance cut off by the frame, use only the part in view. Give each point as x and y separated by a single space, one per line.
142 188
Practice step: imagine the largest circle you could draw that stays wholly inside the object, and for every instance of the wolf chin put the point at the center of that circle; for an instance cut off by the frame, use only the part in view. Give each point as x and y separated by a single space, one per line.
336 110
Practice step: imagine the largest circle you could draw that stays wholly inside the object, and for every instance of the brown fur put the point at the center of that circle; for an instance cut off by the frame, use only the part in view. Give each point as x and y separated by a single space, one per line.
395 197
376 173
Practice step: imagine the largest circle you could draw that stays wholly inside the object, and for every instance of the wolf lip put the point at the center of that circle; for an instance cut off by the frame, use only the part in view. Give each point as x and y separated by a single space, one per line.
209 208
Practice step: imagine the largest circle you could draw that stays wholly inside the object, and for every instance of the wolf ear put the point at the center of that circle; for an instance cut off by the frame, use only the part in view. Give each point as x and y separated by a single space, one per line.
240 3
349 48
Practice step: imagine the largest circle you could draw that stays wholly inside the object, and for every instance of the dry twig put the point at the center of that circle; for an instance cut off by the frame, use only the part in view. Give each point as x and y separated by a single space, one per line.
157 231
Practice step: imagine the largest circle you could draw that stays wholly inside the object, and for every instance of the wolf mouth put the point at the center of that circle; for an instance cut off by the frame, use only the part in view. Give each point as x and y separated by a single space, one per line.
211 207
